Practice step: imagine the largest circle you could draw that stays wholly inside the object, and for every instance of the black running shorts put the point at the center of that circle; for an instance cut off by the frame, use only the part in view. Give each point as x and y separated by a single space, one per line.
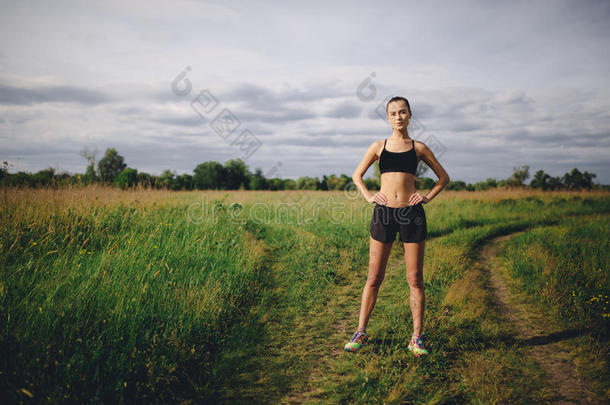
409 221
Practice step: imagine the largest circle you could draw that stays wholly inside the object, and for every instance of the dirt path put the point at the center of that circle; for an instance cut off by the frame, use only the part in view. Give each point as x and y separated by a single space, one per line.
543 342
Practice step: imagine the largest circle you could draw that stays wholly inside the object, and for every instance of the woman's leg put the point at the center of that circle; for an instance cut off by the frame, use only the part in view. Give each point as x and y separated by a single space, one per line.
378 258
414 260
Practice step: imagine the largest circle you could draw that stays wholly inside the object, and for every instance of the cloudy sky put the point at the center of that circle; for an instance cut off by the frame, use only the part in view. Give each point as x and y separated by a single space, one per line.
294 87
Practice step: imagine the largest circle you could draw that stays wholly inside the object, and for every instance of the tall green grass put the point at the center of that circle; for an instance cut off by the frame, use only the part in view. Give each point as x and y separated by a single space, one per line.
117 303
136 302
566 267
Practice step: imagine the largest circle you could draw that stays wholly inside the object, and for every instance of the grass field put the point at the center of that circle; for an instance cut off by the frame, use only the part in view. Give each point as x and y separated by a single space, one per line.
248 297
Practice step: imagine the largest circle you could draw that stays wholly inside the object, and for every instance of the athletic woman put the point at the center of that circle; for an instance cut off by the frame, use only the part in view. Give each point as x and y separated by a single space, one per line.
398 208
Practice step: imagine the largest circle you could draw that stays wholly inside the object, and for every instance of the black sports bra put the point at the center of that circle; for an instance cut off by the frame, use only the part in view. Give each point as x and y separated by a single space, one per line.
398 161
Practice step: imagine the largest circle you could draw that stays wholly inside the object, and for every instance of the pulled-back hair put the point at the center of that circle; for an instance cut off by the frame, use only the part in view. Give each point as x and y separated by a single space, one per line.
398 98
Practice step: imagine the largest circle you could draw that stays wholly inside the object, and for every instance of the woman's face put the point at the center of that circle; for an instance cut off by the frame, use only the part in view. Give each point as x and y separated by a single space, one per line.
398 115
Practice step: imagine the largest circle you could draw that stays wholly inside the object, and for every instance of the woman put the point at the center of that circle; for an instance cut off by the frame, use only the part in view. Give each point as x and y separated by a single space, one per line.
398 208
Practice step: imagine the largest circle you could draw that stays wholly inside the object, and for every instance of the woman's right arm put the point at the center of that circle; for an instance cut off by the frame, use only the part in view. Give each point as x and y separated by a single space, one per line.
369 158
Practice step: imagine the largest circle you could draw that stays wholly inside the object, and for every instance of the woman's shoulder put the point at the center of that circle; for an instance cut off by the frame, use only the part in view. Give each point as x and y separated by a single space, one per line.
377 146
421 149
419 145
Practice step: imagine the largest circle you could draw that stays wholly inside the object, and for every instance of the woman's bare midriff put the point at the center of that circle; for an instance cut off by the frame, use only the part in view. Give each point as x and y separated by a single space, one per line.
398 188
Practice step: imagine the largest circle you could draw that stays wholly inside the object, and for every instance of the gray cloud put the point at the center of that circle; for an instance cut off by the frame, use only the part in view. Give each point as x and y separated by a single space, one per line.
314 92
467 126
494 96
51 94
252 94
194 120
335 141
345 110
283 115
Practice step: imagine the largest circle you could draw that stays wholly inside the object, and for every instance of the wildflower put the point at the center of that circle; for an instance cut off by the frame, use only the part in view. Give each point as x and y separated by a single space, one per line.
33 243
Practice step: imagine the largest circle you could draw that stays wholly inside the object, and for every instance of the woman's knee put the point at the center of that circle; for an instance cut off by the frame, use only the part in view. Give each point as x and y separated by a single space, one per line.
415 280
374 281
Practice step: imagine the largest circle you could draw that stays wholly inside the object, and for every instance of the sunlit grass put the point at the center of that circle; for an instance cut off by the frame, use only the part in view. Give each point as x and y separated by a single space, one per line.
109 295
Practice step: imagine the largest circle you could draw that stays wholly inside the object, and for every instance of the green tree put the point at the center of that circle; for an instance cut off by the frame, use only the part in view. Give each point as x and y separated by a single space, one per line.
518 177
426 183
209 175
575 180
324 182
372 183
90 174
308 183
555 183
456 185
236 174
337 183
258 181
146 180
4 174
127 178
44 177
480 186
540 180
288 184
166 179
110 165
344 180
183 182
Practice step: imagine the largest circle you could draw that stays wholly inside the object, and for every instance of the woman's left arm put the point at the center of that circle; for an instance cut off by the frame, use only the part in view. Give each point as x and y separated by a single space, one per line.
443 178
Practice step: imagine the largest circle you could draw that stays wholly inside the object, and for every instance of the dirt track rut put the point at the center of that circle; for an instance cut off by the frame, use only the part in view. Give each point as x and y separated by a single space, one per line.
543 343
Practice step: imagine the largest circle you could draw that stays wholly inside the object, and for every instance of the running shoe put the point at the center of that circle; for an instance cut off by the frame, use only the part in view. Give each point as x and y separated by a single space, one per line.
358 341
416 346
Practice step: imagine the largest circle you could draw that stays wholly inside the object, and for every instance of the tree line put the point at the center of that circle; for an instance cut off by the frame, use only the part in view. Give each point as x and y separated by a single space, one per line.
235 175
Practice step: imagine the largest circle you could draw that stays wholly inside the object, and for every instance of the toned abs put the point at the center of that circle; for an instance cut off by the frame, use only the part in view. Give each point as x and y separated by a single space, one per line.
397 187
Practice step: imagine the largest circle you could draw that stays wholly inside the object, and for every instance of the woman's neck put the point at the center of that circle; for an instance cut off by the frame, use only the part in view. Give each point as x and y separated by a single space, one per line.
400 134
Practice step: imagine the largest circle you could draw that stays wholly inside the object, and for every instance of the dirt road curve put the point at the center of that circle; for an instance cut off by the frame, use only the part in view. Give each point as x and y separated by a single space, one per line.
543 343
